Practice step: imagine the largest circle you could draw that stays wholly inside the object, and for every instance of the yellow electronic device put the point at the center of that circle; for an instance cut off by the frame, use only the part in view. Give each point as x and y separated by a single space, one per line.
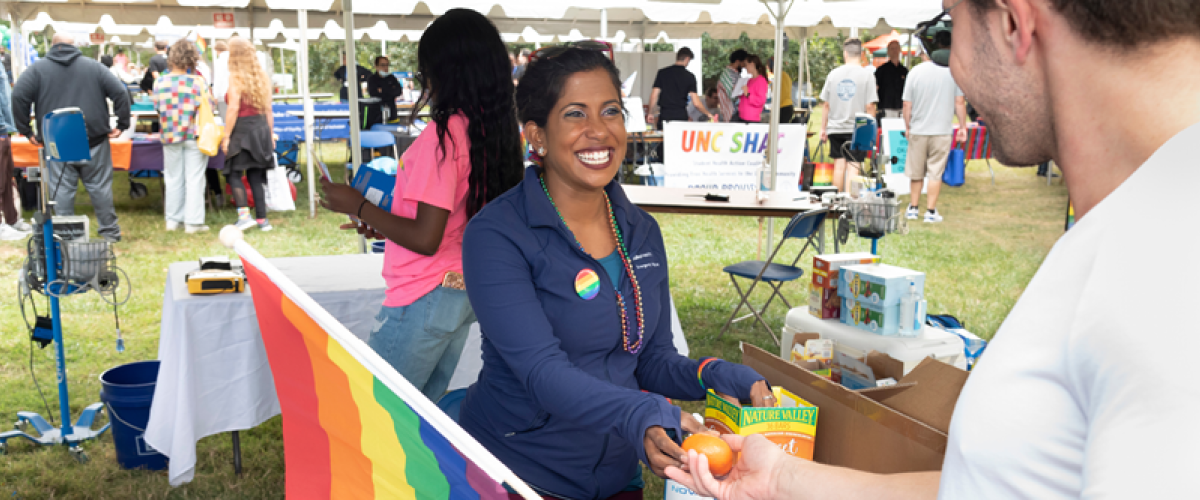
216 275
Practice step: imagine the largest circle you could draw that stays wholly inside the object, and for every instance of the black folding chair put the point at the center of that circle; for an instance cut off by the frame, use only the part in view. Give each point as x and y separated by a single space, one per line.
804 225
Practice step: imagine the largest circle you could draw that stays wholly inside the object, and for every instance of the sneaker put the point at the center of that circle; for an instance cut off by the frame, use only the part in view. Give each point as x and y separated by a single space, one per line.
195 228
912 213
265 225
245 224
22 226
933 216
9 233
172 225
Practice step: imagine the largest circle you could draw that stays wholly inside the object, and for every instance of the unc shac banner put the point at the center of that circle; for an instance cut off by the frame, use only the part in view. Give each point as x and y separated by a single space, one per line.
728 156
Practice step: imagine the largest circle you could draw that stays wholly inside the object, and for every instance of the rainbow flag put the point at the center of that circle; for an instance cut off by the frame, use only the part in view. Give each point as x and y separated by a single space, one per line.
201 45
352 426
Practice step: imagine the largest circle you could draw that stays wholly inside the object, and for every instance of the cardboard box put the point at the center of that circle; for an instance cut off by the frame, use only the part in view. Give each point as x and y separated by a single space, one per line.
901 428
825 267
824 303
375 185
880 320
878 284
819 359
791 425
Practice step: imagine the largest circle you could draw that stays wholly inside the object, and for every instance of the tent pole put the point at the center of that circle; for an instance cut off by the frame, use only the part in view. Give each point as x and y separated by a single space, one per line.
352 80
302 80
773 129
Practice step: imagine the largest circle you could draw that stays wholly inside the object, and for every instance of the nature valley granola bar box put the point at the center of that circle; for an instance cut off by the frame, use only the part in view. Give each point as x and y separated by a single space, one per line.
791 424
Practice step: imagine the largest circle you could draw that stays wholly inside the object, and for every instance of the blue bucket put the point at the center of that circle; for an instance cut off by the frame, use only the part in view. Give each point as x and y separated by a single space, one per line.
127 391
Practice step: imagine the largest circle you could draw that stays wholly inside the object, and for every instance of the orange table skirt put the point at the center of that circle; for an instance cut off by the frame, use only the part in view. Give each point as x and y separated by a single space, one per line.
25 154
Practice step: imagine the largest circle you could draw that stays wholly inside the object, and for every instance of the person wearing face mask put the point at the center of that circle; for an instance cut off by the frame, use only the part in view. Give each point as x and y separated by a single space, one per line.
384 85
569 281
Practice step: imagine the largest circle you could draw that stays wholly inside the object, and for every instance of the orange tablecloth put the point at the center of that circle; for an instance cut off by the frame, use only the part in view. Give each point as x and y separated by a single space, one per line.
25 154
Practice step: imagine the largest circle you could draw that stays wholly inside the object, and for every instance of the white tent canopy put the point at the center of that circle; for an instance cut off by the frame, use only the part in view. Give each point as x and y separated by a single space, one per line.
405 19
395 20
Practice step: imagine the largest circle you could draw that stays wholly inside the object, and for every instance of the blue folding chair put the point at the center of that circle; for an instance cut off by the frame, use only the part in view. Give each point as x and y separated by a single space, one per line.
803 225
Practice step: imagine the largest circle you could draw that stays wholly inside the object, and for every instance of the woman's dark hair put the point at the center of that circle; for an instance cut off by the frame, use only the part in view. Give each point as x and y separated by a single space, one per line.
544 79
758 64
463 67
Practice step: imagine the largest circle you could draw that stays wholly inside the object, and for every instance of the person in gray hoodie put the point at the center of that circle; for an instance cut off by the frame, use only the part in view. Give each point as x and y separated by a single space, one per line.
63 79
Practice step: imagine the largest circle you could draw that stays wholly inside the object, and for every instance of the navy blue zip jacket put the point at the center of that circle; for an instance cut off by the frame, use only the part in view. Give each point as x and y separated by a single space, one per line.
559 400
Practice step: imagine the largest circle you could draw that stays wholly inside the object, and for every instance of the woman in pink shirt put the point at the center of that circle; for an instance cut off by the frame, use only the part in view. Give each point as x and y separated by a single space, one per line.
751 104
469 154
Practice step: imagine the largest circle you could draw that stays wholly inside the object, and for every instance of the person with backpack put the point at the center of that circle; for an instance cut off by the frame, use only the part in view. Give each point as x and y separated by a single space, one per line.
157 67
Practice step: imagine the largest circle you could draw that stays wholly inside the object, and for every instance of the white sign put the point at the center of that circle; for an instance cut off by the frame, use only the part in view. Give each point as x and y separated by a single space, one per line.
223 20
729 156
96 38
895 147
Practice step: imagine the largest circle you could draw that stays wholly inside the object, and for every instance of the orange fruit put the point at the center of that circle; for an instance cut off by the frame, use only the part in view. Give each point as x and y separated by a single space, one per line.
720 457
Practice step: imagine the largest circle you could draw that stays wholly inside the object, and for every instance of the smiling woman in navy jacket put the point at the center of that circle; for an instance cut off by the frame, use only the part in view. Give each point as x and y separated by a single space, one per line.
569 282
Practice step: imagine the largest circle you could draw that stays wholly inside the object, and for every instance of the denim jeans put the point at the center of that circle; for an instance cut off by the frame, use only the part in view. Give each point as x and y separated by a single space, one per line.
183 175
424 340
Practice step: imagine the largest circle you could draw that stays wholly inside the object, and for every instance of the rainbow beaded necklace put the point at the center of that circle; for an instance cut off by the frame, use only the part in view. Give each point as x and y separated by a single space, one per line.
636 346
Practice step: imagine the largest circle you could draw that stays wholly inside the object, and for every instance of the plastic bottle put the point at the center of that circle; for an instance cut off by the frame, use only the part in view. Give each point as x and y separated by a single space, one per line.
908 310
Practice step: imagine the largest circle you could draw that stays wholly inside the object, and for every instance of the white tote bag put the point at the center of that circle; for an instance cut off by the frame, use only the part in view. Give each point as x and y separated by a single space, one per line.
279 190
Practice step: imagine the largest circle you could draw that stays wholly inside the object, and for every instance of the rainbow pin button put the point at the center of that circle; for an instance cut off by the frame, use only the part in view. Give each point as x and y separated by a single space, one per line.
587 284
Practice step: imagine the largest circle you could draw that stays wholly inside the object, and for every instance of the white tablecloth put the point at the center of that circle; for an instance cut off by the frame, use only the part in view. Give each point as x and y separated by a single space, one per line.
214 375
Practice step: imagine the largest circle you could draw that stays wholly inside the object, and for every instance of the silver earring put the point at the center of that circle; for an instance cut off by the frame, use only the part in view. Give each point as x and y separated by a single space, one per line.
542 151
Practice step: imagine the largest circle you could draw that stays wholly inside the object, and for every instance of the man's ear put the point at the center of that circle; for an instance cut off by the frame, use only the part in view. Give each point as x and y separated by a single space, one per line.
1020 22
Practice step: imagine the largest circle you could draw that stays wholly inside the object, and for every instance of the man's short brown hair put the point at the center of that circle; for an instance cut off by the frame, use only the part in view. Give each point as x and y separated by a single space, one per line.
1124 24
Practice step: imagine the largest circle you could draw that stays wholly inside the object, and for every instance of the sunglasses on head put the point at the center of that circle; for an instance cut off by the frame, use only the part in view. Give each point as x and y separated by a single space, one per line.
557 50
935 38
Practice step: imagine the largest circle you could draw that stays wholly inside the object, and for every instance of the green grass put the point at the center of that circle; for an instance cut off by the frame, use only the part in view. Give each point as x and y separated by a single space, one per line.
978 262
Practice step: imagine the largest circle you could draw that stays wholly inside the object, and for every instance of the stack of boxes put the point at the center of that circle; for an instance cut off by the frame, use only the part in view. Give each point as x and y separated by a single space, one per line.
872 295
823 300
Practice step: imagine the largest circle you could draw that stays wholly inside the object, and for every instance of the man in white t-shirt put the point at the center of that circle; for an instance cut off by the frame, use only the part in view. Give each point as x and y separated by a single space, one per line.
931 99
1085 391
849 90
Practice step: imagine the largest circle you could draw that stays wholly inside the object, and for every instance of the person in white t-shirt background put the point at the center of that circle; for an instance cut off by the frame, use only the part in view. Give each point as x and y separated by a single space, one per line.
1085 390
849 89
931 101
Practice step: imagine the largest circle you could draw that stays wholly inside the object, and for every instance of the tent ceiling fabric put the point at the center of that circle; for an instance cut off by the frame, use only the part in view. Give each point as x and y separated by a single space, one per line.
542 20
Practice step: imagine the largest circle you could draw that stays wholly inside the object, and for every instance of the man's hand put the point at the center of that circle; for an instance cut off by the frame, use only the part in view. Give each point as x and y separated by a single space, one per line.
661 451
824 135
114 133
961 135
33 140
754 477
650 118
